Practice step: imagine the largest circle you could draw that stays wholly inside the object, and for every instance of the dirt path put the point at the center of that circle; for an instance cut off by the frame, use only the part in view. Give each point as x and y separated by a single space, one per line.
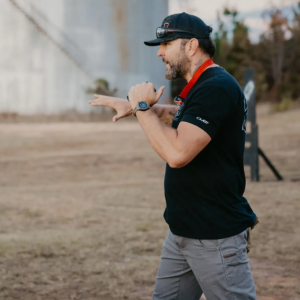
81 211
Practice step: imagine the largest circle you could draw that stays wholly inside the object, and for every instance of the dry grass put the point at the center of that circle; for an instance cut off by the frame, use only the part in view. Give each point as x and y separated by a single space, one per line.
81 211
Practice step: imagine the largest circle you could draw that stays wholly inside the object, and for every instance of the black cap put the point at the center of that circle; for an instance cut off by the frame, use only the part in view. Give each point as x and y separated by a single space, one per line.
185 22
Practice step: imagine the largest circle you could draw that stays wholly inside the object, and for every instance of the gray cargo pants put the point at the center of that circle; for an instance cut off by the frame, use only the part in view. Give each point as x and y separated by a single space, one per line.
218 268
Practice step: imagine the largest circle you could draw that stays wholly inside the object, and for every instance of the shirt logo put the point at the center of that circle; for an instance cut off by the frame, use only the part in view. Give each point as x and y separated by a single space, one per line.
166 25
202 120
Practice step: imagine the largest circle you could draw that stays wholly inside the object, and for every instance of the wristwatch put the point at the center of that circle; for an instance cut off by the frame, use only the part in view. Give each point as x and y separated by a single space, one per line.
142 105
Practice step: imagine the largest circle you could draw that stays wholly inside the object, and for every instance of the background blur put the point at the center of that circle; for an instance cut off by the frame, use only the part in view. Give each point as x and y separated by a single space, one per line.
81 199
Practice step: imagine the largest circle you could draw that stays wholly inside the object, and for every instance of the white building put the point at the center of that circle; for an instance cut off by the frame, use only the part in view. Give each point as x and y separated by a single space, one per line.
51 51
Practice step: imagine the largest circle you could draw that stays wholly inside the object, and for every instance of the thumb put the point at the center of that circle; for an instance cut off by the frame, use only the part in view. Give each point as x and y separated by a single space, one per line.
159 92
116 117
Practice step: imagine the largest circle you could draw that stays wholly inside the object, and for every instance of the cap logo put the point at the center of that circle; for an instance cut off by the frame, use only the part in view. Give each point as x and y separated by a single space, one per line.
166 25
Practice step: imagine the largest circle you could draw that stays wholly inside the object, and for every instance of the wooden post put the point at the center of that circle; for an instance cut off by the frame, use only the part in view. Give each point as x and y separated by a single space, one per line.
251 151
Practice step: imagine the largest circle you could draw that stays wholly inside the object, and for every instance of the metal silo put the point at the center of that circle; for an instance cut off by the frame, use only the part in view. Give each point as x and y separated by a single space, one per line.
52 51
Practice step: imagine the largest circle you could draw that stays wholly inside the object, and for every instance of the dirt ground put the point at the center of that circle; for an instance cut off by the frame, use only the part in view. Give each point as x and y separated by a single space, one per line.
81 211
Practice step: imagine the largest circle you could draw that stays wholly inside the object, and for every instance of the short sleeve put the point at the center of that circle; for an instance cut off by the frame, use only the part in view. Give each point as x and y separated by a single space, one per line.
208 108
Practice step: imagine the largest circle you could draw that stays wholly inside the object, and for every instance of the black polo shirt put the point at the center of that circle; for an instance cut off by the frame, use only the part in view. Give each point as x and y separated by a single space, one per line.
205 197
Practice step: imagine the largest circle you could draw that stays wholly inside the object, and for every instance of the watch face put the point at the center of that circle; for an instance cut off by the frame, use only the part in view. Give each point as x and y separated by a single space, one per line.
143 105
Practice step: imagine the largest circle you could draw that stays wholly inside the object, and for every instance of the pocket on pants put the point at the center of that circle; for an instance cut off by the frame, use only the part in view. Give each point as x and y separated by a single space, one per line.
235 259
236 268
241 239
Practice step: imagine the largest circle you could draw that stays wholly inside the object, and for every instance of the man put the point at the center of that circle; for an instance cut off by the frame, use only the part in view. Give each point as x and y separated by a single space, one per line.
205 250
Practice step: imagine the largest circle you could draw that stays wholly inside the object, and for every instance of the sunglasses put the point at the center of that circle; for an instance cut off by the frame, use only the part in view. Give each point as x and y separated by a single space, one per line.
163 32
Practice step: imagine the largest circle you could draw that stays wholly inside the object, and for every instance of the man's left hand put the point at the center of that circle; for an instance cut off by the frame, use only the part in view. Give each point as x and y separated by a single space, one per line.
144 92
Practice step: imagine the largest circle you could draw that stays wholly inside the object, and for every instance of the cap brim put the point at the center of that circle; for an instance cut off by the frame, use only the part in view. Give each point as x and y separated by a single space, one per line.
157 42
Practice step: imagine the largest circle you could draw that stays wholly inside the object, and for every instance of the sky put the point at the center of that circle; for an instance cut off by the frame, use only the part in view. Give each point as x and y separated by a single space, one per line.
250 10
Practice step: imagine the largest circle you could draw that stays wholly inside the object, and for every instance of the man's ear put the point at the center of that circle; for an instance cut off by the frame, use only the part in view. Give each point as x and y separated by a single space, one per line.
193 46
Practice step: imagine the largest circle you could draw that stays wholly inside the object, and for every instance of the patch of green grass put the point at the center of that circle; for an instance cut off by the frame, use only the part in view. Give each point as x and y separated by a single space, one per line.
31 213
284 105
5 247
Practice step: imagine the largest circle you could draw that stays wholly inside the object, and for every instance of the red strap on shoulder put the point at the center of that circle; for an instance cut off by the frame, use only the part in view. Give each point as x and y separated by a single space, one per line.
196 76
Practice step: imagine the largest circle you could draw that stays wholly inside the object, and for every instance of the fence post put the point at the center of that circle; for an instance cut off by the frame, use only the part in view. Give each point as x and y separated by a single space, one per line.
251 150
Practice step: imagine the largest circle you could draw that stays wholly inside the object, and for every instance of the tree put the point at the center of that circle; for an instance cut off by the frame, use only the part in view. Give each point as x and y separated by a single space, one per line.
222 44
238 54
290 87
275 38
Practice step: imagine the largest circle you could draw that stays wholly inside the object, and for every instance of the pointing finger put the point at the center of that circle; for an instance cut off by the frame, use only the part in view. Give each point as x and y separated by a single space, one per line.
159 92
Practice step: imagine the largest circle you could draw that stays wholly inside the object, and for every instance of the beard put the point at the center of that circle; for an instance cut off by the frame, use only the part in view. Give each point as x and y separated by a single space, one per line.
178 68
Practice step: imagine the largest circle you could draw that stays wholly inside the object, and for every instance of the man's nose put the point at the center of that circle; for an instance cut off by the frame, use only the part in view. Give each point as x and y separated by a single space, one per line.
160 52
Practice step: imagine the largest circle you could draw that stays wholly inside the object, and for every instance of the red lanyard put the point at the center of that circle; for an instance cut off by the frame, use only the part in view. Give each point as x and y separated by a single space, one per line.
179 99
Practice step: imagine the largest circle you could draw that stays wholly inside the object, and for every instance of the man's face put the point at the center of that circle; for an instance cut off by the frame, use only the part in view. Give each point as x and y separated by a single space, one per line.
177 62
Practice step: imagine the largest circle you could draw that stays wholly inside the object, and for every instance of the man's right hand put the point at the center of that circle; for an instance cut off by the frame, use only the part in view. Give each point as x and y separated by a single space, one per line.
121 106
